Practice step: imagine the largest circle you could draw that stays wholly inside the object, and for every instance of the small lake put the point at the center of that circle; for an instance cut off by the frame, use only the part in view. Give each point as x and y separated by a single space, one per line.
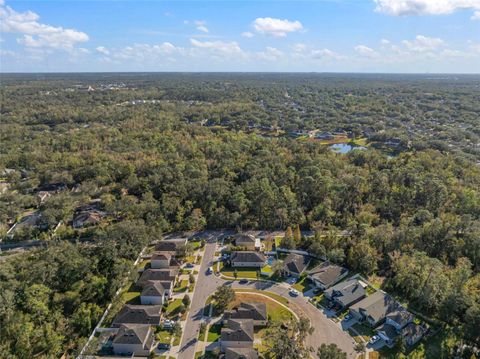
345 147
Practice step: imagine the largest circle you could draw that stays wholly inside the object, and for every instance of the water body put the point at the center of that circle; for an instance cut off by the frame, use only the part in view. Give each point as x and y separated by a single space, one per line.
345 147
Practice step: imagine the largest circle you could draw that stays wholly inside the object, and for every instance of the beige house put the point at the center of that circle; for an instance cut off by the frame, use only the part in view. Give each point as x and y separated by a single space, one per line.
255 311
245 240
248 259
156 293
238 333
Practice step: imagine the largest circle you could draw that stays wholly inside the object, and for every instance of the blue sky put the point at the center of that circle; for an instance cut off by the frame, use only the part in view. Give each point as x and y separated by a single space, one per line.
325 36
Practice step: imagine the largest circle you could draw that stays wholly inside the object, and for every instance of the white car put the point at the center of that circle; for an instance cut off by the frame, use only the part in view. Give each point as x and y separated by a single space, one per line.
374 339
292 280
294 292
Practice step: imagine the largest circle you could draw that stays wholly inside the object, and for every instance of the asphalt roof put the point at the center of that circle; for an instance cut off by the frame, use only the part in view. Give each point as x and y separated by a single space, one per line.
132 334
327 273
167 274
346 292
241 353
247 256
155 289
296 263
238 330
377 305
242 237
255 311
138 314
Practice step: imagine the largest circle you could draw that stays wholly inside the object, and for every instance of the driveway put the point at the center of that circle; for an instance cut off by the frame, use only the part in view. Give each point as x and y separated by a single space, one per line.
205 286
326 331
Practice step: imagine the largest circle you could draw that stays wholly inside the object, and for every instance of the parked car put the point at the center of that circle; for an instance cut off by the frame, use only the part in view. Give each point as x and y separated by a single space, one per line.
164 346
209 270
293 292
292 280
189 265
243 281
374 339
347 317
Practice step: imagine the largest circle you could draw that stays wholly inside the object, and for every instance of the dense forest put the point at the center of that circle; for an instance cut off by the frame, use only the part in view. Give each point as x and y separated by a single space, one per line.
178 152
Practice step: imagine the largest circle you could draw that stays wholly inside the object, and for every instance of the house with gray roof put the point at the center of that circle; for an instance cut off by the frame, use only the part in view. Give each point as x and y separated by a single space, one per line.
412 333
156 292
170 244
295 264
399 318
326 274
138 314
135 340
388 333
247 259
164 259
245 240
167 274
374 308
255 311
346 293
238 333
241 353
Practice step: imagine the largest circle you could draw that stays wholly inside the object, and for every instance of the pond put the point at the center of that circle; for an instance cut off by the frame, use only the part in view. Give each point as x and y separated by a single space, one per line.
345 147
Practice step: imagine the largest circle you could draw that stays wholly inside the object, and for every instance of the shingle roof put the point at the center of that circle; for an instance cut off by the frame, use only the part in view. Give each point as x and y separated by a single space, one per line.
162 255
388 330
346 292
169 244
241 353
132 334
327 273
244 238
138 314
155 288
255 311
401 316
413 331
296 263
377 305
238 331
158 274
247 256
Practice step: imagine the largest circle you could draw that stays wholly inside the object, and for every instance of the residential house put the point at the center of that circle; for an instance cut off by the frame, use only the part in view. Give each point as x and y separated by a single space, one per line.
325 275
135 340
388 333
156 293
170 245
245 240
163 260
167 274
238 333
295 264
255 311
394 323
344 294
138 314
87 218
247 259
374 308
241 353
412 333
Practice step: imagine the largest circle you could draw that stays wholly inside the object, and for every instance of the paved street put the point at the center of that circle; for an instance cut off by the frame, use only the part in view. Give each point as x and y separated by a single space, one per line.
326 331
205 286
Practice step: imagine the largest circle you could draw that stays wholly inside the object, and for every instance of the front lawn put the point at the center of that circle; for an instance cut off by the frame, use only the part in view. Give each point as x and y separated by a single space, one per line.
173 307
182 286
131 297
277 297
275 311
164 337
214 333
303 285
246 272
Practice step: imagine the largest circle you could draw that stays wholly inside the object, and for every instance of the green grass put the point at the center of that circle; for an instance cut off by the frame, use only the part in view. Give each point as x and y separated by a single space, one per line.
164 337
131 297
303 285
182 287
173 306
246 272
177 339
277 297
214 333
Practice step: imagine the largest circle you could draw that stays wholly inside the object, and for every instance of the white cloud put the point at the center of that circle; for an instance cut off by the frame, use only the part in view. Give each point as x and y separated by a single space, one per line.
201 26
424 7
385 42
423 43
299 47
276 27
103 50
35 34
270 54
366 51
475 16
327 54
221 47
247 34
147 52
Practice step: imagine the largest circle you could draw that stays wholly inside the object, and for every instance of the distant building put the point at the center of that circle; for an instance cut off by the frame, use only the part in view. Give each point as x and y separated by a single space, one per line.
245 240
170 245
